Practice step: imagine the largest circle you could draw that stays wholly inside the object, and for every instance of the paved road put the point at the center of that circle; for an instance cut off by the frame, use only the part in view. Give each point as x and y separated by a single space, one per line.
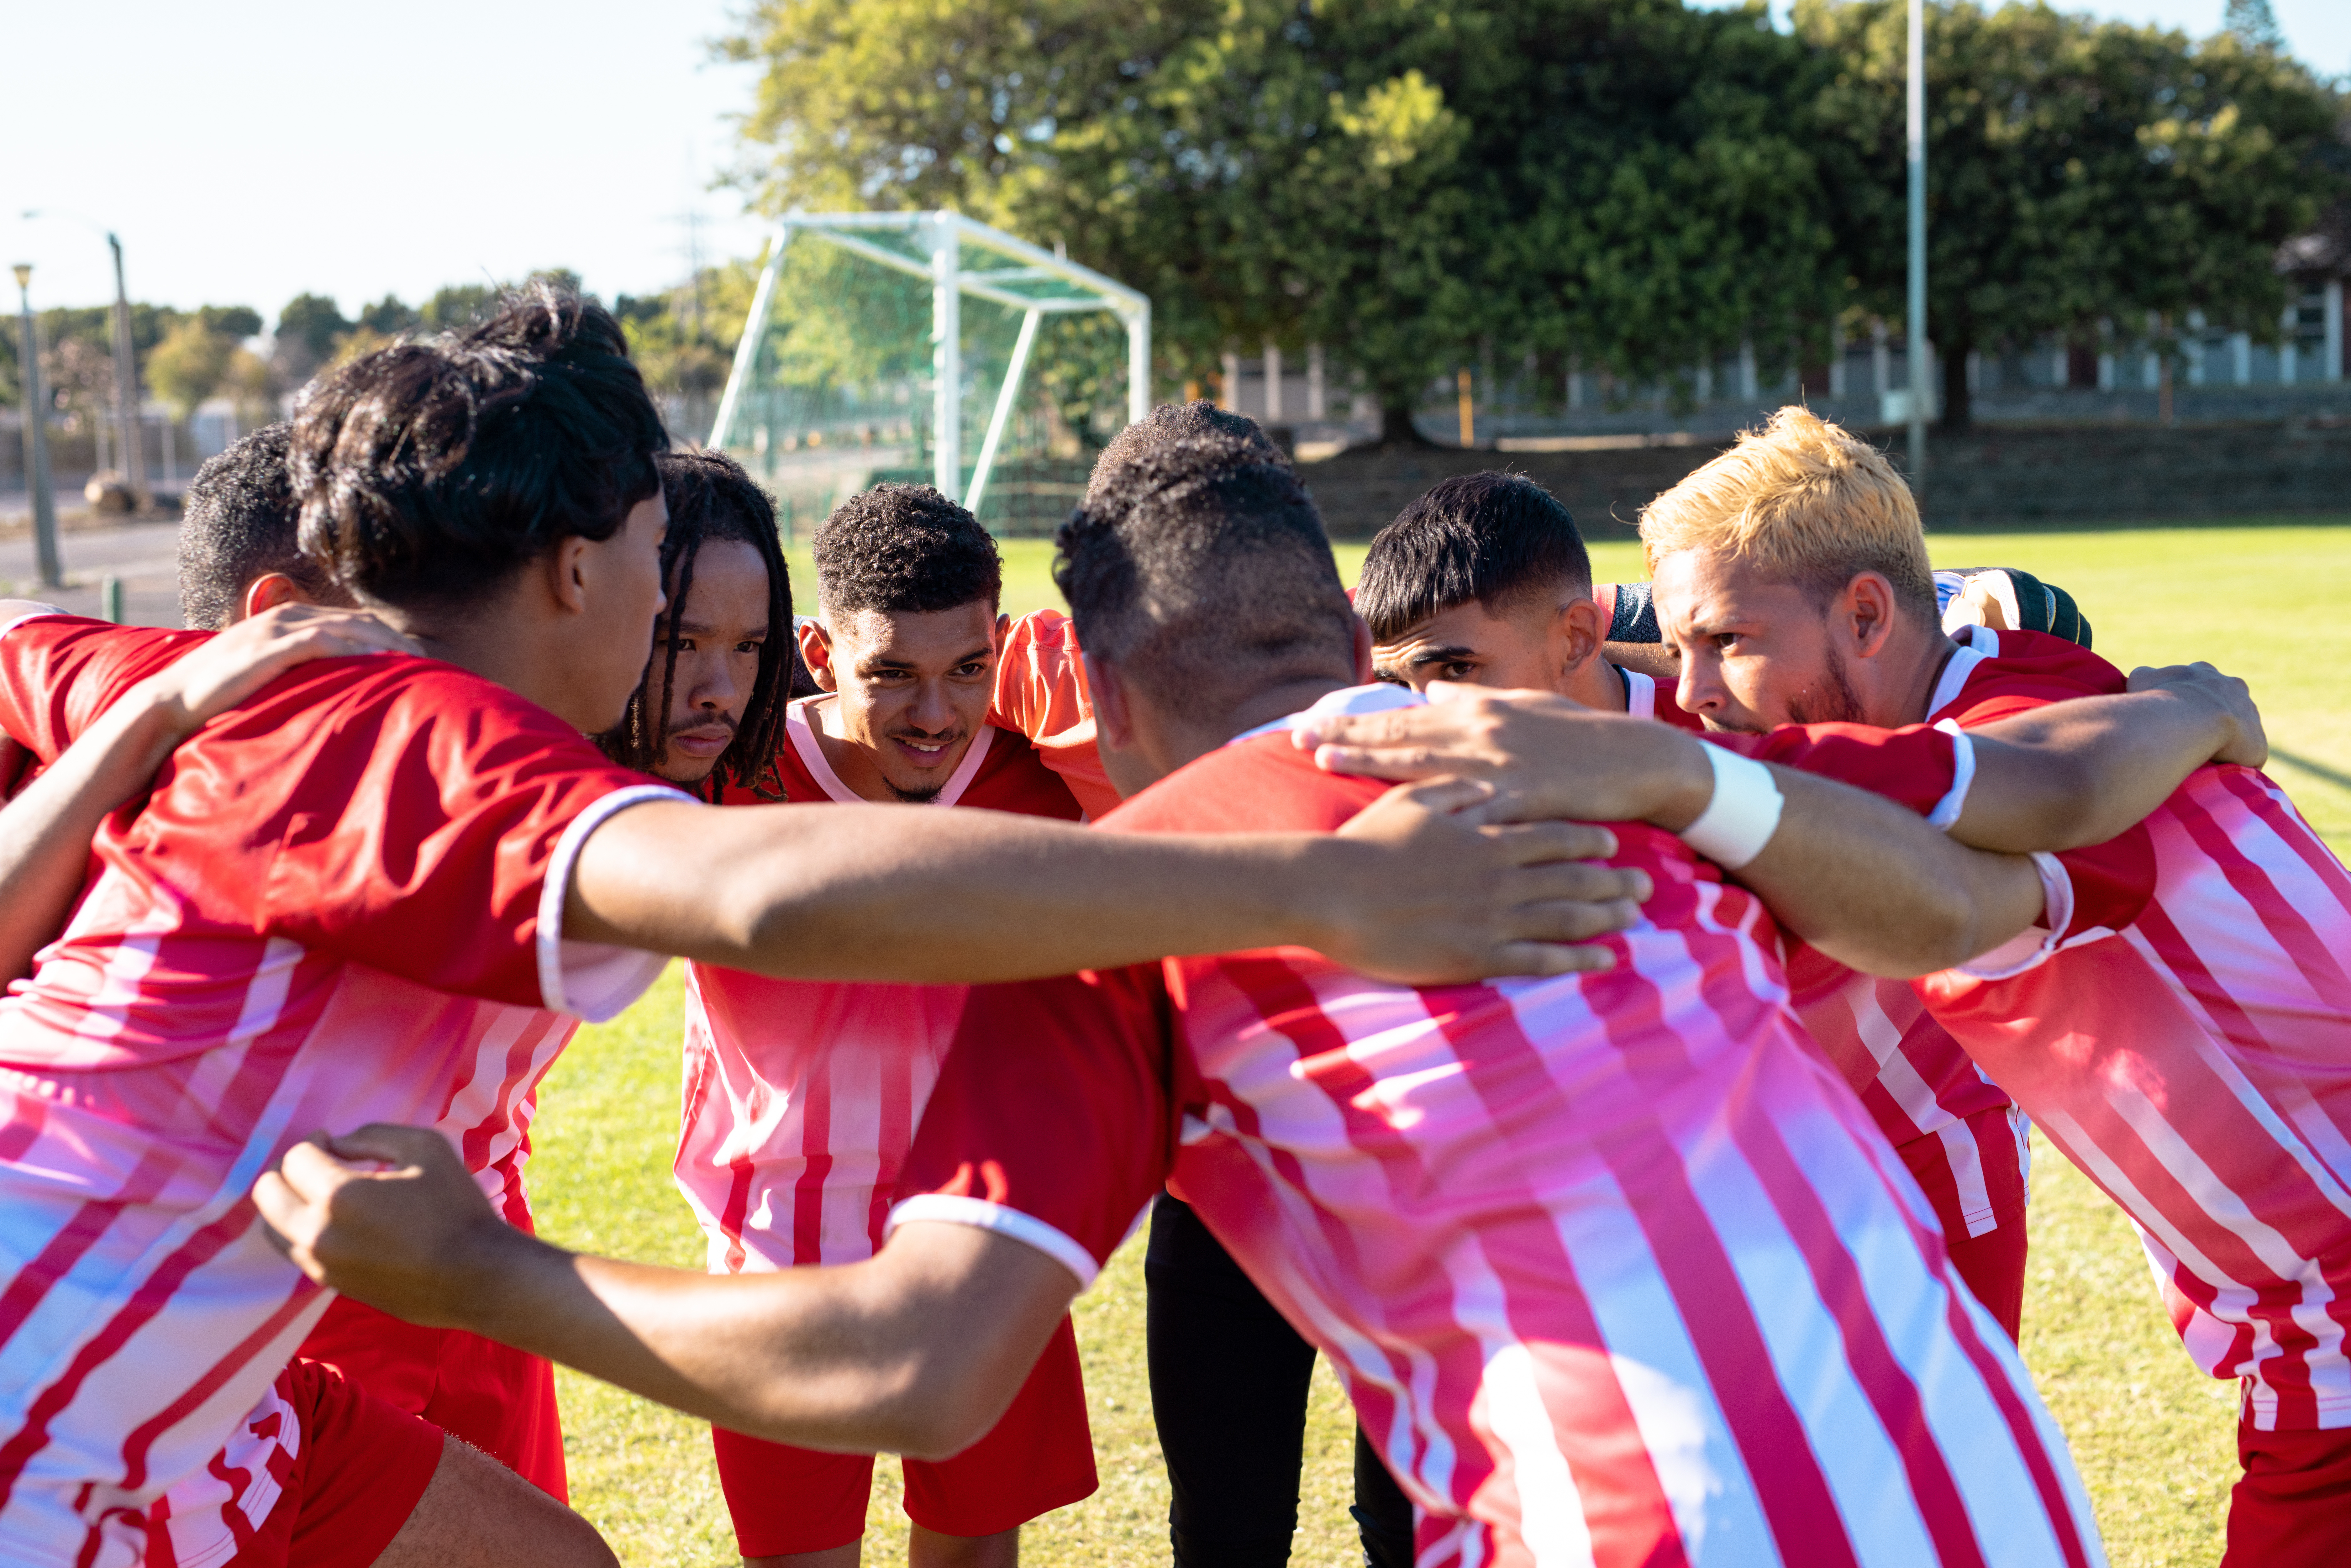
145 556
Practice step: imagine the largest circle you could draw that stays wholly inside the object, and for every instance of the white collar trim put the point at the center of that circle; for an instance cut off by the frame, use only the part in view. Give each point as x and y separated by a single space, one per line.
1981 643
1378 697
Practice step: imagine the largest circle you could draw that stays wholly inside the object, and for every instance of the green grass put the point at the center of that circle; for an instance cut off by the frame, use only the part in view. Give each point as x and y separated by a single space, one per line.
2153 1437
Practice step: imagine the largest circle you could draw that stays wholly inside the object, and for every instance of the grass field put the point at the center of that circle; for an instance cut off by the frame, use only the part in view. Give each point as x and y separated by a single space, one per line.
2153 1439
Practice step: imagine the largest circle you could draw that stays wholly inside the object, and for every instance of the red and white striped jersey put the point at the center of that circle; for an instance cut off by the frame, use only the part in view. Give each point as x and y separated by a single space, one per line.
1615 1269
2182 1033
340 903
800 1096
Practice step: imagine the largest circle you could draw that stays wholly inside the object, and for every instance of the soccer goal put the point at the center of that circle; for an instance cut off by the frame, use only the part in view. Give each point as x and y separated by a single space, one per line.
923 346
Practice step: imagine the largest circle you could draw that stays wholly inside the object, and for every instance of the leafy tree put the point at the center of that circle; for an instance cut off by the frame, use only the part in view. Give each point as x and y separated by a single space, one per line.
188 365
458 305
388 318
2252 24
2077 171
308 328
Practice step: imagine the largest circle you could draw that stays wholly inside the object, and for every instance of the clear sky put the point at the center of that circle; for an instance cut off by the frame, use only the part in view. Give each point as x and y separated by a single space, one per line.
249 150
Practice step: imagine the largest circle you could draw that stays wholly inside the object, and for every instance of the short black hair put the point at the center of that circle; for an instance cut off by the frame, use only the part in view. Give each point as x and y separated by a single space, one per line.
711 498
904 548
1494 538
239 522
429 473
1199 425
1204 578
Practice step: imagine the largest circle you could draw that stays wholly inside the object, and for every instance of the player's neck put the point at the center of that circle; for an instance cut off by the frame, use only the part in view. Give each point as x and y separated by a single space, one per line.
1596 684
505 648
1913 661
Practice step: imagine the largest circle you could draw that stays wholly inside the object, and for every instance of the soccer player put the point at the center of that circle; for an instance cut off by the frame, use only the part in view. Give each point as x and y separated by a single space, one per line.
802 1097
1613 1266
2181 1037
339 891
1484 581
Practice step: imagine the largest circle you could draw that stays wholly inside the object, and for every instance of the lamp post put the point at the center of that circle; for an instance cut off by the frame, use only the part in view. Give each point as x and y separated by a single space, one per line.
126 373
1917 328
37 489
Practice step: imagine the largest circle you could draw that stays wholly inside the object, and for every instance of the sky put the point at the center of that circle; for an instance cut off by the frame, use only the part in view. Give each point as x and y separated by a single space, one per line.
249 150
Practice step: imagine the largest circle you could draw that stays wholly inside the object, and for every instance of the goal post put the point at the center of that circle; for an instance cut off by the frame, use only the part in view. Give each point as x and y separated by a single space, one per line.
887 345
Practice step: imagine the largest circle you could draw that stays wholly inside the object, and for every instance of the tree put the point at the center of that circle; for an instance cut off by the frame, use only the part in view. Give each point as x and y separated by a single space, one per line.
2252 24
1403 180
309 329
188 365
2077 171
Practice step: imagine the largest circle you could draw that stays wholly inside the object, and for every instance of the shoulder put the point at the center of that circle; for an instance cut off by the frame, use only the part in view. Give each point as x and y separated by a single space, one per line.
1014 777
58 671
2013 670
1261 785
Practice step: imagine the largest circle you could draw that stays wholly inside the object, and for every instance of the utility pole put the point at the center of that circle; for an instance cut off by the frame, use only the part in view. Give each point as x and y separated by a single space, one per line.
126 389
37 489
1917 355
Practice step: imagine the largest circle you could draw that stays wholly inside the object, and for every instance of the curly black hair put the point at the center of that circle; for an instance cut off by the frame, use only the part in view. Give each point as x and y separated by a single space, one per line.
1491 536
240 522
711 497
1202 570
429 473
902 548
1200 426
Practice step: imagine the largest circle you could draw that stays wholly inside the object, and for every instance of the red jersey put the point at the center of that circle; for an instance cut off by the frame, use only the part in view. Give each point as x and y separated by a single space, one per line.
800 1096
340 903
1612 1265
2178 1028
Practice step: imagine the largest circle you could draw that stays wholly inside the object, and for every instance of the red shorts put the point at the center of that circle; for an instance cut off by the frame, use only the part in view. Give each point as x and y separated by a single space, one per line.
1992 1266
2292 1508
500 1400
329 1472
1038 1457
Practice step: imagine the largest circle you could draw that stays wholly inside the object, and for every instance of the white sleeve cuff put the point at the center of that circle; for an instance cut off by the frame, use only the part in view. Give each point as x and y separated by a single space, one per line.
2031 947
1963 773
592 980
42 613
956 1209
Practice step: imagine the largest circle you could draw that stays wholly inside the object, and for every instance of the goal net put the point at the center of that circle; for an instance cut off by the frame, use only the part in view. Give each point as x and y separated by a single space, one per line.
926 347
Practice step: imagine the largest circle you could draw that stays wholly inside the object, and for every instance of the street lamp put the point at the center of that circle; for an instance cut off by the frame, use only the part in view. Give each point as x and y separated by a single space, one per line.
36 440
126 368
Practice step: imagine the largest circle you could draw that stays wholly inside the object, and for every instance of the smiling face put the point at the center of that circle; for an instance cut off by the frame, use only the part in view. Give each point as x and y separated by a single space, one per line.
913 688
720 629
1755 652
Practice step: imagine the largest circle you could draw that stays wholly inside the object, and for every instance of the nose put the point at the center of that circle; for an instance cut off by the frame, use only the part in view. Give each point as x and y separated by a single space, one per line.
932 712
1698 690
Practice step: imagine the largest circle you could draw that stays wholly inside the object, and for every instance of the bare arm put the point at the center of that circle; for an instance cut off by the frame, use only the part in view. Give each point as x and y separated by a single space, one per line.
45 830
2080 772
919 1350
1412 890
1864 881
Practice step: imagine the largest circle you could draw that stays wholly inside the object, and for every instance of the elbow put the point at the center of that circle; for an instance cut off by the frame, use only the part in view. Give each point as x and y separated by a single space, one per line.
942 1410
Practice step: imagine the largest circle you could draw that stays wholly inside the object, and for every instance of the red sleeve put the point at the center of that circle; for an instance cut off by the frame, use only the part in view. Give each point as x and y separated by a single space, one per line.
403 815
1915 766
1040 692
2031 670
59 672
1052 1121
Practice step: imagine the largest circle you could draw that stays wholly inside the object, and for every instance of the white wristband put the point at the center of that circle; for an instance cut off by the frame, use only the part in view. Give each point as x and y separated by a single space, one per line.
1743 814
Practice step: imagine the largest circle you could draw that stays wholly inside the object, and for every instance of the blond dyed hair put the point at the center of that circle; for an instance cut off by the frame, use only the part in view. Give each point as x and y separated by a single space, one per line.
1807 502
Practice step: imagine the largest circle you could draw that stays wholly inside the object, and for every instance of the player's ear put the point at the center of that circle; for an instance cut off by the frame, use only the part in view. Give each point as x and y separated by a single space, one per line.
1363 672
1580 632
269 590
816 652
1003 629
569 566
1113 719
1865 612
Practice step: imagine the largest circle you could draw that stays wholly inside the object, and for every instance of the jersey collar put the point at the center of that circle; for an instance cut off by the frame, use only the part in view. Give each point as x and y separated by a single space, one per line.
1976 643
1378 697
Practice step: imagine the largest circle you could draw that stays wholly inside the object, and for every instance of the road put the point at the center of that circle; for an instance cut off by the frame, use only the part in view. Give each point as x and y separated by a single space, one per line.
145 556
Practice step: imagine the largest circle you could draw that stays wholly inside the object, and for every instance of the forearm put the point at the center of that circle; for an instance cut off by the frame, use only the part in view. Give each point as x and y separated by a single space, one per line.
2080 772
886 893
45 830
1872 886
917 1352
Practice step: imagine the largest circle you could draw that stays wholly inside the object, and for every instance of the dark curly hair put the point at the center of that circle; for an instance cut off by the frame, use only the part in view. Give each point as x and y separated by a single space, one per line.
710 498
238 522
430 472
1200 426
904 548
1203 572
1494 538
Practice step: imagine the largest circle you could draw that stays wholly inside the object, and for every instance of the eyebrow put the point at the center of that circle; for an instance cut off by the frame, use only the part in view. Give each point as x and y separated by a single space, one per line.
703 628
1449 654
874 664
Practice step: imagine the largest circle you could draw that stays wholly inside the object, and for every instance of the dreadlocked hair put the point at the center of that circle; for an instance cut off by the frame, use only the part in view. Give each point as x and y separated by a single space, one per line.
710 498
